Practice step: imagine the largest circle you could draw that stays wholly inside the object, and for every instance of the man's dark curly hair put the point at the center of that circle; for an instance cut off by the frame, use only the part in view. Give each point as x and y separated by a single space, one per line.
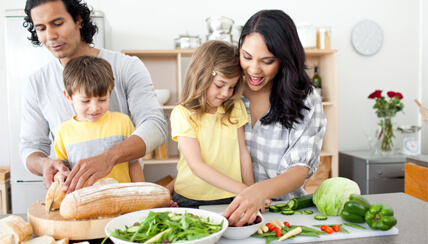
74 7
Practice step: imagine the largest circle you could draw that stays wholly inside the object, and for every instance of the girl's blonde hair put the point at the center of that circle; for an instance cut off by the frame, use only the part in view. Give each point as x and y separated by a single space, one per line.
212 56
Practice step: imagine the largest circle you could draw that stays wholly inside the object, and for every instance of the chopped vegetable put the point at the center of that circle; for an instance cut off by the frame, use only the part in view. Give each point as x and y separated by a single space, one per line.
336 228
333 193
159 227
280 205
355 209
274 209
320 217
380 217
291 233
287 224
287 212
301 202
278 232
327 229
308 212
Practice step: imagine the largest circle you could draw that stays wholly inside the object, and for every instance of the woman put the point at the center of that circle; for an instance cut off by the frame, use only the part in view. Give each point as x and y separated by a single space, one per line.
286 119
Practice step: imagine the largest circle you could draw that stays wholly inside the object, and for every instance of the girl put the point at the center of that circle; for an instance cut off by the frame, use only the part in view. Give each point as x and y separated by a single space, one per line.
208 123
286 119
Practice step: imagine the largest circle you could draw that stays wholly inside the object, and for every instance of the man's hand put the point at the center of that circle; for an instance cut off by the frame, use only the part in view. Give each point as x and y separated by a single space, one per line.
90 170
51 168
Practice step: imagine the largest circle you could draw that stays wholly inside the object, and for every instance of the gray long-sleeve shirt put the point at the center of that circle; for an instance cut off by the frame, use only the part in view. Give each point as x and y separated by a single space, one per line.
44 106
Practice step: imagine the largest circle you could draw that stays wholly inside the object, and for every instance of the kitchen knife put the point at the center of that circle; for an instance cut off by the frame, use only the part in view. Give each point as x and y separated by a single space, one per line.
51 201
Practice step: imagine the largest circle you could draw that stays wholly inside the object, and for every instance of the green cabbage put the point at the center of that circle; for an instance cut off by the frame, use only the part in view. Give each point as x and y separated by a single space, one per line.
333 193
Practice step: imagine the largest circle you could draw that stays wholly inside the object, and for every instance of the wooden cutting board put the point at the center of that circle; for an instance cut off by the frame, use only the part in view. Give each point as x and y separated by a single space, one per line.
53 224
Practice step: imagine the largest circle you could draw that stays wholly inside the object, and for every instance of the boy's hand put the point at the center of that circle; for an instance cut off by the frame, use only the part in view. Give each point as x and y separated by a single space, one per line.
88 170
59 177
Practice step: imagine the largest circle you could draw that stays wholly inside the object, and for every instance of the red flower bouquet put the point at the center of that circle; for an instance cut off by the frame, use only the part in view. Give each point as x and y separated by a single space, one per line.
385 110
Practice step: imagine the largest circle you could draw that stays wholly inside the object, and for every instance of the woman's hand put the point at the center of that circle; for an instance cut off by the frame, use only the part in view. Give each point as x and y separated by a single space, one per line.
244 207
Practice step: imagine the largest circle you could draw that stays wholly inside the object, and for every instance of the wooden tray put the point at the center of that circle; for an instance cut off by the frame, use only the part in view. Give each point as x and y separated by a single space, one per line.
55 225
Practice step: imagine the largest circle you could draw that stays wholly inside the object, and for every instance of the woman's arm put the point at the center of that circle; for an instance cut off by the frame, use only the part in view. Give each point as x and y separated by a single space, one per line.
246 166
192 153
250 200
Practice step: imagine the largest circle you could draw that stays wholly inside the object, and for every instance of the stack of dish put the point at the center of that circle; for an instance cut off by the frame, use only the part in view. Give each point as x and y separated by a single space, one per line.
219 28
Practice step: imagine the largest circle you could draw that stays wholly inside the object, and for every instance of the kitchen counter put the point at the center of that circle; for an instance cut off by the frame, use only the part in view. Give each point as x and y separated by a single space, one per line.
421 160
411 213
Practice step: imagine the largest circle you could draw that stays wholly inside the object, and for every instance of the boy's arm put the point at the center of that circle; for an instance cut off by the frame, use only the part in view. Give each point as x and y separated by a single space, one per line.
246 166
192 153
136 171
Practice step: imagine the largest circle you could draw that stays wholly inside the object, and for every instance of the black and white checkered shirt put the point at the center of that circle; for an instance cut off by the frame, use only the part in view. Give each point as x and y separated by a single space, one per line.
274 149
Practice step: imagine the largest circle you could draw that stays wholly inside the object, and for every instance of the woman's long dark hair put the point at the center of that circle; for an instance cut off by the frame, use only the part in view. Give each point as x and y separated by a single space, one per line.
74 7
292 84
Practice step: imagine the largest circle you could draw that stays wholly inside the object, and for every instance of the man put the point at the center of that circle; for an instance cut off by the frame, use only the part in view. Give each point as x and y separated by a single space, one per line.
66 29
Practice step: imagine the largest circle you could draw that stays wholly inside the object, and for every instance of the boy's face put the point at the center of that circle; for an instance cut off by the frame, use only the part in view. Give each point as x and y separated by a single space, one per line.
88 109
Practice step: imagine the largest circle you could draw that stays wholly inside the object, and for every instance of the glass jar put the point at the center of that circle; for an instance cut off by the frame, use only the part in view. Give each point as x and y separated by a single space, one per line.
323 37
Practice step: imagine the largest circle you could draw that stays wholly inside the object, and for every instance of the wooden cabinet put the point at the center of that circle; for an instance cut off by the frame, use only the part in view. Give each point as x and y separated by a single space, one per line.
168 67
416 181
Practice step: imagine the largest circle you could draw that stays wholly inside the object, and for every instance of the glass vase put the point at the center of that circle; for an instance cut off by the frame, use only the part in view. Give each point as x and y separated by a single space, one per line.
386 131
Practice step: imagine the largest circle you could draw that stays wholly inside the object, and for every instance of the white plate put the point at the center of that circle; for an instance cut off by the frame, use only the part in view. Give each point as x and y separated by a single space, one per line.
130 218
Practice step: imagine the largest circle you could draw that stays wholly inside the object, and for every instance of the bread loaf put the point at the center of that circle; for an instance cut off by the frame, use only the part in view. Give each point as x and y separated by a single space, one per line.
113 199
40 240
55 195
62 241
16 226
7 239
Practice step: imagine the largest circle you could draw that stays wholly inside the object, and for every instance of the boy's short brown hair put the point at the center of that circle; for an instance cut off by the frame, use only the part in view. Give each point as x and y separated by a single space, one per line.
89 74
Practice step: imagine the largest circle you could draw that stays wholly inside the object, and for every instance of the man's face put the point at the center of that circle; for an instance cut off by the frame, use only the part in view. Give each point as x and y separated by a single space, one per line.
56 29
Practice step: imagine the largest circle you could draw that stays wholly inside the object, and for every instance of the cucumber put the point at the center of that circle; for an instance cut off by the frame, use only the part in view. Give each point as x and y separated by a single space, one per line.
274 209
287 212
280 205
301 202
298 212
320 217
308 211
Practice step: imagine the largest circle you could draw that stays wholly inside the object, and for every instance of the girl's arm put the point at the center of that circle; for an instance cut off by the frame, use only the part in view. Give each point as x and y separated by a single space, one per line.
192 153
136 171
246 166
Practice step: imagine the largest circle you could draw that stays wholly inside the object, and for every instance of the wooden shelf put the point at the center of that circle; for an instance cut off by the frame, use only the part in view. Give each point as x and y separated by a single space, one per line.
170 160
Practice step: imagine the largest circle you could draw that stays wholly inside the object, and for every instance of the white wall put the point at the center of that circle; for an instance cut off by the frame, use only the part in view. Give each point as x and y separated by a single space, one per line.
143 24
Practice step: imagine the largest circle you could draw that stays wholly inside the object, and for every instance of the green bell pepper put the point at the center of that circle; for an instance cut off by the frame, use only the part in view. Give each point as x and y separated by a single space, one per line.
355 209
380 217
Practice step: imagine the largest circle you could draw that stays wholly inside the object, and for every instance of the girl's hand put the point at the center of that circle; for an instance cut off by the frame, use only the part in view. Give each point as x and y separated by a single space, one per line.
266 202
244 207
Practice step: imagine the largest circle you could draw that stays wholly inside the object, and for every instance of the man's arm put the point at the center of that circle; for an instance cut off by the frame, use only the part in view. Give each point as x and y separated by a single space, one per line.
93 168
40 164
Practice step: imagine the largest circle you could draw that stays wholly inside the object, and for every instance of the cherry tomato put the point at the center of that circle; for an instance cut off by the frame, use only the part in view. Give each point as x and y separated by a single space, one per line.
278 232
323 227
287 224
271 227
329 230
336 228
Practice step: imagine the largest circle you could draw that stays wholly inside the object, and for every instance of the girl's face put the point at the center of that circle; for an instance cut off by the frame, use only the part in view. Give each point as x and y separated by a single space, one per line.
219 91
260 66
88 109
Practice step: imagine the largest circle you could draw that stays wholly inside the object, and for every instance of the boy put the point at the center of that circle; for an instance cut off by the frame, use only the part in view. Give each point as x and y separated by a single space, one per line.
88 83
